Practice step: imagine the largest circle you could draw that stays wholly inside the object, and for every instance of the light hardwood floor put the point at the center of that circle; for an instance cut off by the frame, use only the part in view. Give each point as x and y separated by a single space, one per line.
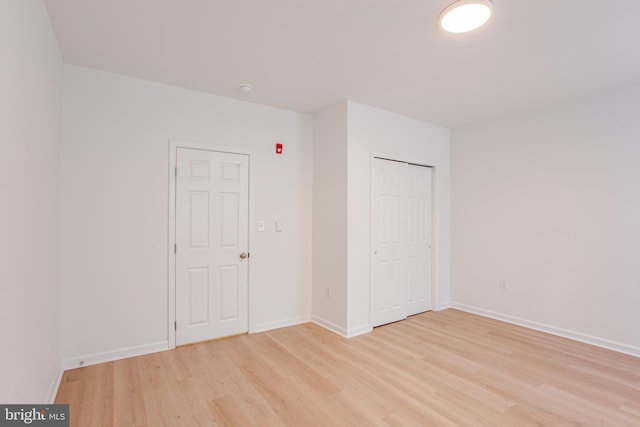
446 368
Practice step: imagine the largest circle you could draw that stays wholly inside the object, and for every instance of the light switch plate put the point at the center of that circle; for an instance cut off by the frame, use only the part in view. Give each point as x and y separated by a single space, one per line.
278 227
261 226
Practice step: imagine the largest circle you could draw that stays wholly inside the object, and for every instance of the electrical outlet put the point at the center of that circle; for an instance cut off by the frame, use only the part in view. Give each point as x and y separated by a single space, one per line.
504 286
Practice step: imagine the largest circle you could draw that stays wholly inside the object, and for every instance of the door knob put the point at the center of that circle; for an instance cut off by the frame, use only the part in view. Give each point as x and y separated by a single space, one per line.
243 255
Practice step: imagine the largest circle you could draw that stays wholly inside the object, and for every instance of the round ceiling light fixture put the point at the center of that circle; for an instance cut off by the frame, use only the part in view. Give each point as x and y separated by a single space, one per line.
465 15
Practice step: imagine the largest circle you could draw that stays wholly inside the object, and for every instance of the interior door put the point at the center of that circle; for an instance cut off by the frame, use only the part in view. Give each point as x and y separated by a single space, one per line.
419 220
388 229
212 236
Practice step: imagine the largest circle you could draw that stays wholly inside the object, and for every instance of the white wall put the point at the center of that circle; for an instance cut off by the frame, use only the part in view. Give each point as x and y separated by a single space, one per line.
30 112
549 201
329 307
114 199
375 132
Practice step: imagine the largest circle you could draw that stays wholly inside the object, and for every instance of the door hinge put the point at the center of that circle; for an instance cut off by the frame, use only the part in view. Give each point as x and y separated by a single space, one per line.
175 325
176 171
175 248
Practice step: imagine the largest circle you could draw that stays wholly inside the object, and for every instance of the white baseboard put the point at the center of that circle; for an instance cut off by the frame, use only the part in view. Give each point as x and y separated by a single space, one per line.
443 306
565 333
346 333
329 325
55 385
360 330
110 356
267 326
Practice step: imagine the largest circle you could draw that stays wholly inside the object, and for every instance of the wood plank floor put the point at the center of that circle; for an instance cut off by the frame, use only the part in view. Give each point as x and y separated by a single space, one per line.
446 368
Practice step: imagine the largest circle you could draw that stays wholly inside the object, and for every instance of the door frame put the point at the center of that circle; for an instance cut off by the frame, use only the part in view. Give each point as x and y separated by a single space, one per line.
434 225
174 145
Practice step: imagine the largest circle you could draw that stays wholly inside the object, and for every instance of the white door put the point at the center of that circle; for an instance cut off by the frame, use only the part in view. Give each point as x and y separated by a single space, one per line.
388 229
401 241
212 237
419 221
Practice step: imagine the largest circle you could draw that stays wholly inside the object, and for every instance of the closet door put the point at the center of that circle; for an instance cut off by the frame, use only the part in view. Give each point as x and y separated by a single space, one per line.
419 220
389 238
401 241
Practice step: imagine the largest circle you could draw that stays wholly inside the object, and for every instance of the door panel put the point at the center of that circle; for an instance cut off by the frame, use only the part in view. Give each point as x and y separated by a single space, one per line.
230 292
198 296
419 239
230 214
212 217
389 267
199 224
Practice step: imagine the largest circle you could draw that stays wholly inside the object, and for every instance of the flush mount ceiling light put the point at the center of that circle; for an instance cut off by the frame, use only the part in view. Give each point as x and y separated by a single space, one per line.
465 15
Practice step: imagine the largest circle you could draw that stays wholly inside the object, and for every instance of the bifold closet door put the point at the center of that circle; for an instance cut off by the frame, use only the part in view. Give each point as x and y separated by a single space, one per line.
401 236
389 261
419 220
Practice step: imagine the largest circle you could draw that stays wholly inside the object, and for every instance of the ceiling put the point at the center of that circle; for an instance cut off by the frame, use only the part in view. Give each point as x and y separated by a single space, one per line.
303 55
